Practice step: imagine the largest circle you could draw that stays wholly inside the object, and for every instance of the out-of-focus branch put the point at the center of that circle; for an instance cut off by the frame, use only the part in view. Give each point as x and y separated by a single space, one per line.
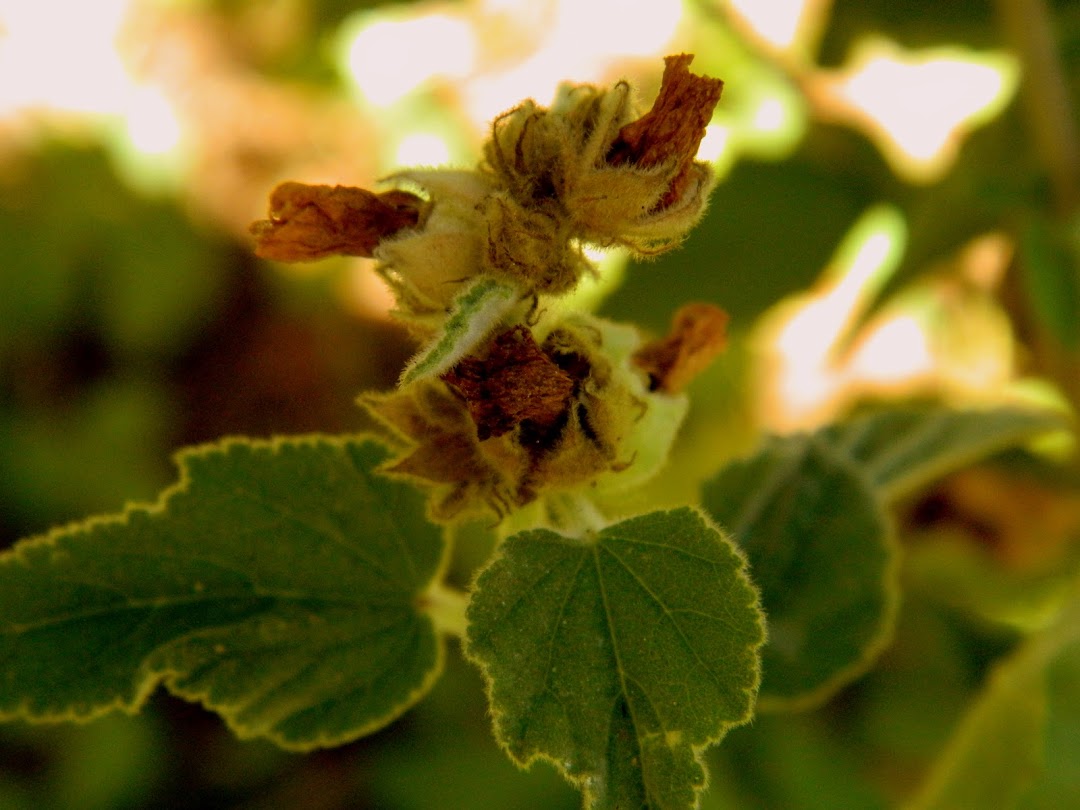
1028 28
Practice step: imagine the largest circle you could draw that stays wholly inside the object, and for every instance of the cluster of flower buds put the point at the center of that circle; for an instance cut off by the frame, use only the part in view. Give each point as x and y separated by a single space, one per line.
512 402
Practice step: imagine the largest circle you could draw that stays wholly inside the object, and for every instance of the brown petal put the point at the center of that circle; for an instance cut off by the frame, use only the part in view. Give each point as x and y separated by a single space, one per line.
697 336
673 128
515 382
310 222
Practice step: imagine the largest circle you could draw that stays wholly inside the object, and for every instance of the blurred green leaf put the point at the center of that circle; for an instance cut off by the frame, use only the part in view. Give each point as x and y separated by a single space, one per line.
808 512
1058 784
998 751
910 702
794 762
824 556
79 247
101 450
1051 276
279 584
464 769
620 657
108 763
157 282
902 448
963 576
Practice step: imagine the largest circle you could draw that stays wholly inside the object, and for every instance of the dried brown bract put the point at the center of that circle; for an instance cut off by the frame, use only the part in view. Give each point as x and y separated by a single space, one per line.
311 222
698 334
513 383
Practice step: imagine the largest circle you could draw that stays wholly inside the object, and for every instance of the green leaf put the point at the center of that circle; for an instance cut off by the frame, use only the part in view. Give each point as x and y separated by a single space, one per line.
474 314
282 584
619 657
998 753
951 570
823 555
901 449
1051 280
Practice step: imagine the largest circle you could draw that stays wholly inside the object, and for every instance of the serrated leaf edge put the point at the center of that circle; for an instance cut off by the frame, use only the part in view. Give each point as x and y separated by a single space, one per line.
582 782
151 680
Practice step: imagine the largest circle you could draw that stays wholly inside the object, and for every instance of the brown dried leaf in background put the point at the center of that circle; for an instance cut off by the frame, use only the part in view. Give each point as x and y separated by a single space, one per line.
673 128
515 382
698 334
311 222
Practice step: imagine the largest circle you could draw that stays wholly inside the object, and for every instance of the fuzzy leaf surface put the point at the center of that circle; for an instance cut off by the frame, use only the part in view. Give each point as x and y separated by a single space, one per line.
619 658
279 583
900 449
823 554
475 312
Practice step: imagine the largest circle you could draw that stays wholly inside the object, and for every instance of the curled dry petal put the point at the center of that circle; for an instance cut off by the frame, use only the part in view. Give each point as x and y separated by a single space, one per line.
698 335
310 222
673 128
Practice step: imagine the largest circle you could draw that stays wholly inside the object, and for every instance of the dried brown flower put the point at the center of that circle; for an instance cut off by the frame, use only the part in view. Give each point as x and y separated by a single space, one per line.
310 222
513 383
697 336
516 422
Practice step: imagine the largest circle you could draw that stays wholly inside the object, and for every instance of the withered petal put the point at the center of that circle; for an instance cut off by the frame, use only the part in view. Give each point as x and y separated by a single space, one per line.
698 334
673 128
311 222
514 382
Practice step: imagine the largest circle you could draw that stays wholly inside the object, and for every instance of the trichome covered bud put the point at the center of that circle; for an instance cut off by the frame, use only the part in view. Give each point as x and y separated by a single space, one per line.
607 177
512 399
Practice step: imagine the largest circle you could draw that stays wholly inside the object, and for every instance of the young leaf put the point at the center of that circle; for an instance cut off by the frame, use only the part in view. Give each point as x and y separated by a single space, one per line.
1001 750
823 554
620 657
281 584
474 314
900 449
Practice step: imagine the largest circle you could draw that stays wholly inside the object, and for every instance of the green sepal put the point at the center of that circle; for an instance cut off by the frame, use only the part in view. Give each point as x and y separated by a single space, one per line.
474 314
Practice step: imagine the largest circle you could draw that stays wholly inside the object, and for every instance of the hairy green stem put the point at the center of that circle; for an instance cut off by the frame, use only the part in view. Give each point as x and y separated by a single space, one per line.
574 514
446 606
